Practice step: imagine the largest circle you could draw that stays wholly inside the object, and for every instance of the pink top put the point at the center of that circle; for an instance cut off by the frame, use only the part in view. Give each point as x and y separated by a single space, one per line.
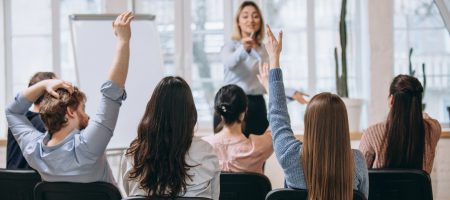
240 154
372 140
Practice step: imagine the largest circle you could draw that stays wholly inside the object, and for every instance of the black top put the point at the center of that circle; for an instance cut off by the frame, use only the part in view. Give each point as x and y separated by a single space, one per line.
15 159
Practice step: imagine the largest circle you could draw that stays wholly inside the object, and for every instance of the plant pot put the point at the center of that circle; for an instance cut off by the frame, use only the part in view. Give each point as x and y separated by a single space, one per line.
354 109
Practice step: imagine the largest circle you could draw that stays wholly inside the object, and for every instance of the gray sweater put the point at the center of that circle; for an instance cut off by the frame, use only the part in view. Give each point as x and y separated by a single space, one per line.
288 149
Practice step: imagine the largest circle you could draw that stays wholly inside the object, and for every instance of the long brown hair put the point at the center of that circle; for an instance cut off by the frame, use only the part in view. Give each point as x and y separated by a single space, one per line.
164 137
405 129
237 32
327 154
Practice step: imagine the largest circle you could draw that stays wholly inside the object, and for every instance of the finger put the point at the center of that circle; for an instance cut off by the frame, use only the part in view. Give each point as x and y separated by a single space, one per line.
269 31
266 67
129 19
260 68
120 17
127 15
280 38
53 93
304 94
259 78
69 87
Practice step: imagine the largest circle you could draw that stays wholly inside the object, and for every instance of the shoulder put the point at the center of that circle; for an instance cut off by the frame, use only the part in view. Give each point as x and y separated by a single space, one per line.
358 156
360 163
202 153
201 150
375 129
264 138
433 126
211 139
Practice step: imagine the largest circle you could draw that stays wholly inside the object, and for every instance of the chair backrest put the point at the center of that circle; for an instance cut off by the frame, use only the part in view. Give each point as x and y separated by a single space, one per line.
18 184
76 191
392 184
166 198
300 194
240 186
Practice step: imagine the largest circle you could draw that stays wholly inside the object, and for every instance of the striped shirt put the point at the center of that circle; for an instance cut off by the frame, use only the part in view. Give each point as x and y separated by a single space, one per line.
372 140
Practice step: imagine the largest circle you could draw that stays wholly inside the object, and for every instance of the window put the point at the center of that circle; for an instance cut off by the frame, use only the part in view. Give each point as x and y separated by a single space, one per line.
207 28
39 39
165 20
418 25
69 7
192 33
31 40
203 28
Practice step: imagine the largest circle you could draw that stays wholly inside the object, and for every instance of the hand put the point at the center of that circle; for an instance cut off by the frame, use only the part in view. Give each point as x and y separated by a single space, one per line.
263 76
248 43
51 85
274 47
121 26
300 97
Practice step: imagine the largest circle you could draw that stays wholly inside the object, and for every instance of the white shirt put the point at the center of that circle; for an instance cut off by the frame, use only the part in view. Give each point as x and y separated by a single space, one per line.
205 177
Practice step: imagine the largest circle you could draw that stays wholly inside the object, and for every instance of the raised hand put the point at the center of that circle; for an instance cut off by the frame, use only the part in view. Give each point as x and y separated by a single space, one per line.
121 26
274 47
51 85
300 97
263 76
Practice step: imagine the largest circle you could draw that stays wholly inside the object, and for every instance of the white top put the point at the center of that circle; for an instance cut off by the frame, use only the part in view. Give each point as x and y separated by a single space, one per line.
205 177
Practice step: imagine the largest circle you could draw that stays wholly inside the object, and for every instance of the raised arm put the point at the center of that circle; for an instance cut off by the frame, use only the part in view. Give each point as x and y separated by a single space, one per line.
95 138
286 146
22 129
119 69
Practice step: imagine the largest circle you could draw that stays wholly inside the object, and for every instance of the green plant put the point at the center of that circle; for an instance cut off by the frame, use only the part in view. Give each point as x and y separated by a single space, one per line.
412 72
341 78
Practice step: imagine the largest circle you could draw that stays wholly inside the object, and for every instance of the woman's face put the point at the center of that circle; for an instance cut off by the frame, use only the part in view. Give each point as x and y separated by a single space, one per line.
249 20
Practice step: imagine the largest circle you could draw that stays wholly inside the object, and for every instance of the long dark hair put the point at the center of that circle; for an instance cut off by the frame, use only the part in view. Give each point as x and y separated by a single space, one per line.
230 102
164 137
405 128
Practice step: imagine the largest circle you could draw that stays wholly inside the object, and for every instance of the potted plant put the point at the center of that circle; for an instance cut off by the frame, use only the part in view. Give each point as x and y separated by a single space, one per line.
412 72
354 106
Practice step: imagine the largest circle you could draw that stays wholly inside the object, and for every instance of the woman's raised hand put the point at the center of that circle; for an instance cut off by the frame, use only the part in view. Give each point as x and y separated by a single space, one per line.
274 47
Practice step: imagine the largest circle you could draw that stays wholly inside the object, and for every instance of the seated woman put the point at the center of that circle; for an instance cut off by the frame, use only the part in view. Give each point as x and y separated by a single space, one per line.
324 162
408 138
166 159
237 152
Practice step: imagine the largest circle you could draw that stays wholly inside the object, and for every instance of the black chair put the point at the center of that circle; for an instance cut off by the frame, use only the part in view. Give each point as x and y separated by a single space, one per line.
18 184
76 191
243 186
166 198
395 184
300 194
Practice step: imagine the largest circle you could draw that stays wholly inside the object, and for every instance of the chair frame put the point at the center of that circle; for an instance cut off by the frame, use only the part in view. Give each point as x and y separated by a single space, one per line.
44 188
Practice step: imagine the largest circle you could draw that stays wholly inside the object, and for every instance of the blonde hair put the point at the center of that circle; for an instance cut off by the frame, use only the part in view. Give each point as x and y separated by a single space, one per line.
259 35
327 154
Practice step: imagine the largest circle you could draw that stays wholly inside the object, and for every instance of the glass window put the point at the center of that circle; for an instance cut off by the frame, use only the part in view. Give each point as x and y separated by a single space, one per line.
290 16
418 25
165 20
207 69
69 7
31 40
